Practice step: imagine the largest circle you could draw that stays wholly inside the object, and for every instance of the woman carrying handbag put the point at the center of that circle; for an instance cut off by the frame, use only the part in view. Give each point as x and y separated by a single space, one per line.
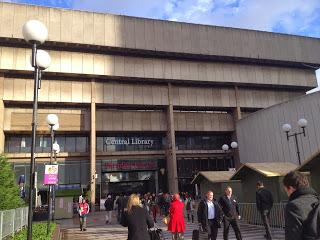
176 224
137 219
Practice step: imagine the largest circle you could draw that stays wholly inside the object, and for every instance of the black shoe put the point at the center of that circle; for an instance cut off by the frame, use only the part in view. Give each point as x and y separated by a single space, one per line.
84 229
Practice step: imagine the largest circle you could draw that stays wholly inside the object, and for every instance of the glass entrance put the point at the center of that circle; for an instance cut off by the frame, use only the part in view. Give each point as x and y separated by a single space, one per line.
126 183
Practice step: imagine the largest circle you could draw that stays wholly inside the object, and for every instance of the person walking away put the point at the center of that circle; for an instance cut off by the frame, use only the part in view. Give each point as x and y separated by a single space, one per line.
137 219
108 204
209 215
231 213
190 203
154 207
83 214
176 223
120 206
264 202
302 212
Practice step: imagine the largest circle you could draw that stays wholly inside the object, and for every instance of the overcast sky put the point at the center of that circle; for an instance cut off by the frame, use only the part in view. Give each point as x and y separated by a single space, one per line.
298 17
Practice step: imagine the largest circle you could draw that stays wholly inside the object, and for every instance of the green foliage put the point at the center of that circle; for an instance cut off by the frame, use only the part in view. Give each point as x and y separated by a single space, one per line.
39 232
9 197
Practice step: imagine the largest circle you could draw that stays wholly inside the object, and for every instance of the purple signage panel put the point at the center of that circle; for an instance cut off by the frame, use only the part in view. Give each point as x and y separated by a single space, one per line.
51 175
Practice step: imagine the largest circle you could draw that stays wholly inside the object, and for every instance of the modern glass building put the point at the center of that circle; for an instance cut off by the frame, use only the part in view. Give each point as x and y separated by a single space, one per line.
144 104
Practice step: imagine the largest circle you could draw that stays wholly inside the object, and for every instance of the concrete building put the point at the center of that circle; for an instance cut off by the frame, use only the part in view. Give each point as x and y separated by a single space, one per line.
268 142
143 103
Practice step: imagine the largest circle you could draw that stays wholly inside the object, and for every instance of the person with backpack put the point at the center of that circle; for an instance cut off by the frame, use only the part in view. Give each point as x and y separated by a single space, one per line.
108 204
302 212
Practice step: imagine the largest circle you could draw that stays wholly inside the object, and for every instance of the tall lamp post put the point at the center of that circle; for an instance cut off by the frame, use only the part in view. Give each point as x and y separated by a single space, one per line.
225 147
52 120
35 33
56 149
287 127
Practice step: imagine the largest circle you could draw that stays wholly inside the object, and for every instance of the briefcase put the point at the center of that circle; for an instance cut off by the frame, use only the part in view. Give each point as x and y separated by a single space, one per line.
199 235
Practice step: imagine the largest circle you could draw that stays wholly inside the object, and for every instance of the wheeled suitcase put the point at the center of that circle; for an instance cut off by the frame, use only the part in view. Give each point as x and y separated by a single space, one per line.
199 235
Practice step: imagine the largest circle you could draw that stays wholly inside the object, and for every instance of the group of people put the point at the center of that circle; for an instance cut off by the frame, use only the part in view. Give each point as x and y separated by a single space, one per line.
302 212
212 213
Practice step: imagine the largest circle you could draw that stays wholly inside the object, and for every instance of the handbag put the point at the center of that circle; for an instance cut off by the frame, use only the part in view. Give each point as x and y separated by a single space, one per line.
156 234
166 220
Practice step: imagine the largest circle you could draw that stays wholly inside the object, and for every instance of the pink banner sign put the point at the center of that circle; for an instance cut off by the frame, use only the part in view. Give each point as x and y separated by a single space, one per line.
51 175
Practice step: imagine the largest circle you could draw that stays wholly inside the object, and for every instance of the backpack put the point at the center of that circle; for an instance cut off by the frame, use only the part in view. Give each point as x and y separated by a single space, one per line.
188 207
311 229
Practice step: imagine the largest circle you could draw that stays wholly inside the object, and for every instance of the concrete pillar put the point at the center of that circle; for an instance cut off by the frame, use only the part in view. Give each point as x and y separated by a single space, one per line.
237 112
236 116
93 145
1 113
171 147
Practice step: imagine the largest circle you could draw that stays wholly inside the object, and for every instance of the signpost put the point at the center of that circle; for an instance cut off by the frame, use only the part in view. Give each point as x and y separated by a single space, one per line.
50 178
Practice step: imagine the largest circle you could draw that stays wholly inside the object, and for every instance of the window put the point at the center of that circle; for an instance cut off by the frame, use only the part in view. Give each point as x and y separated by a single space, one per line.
22 143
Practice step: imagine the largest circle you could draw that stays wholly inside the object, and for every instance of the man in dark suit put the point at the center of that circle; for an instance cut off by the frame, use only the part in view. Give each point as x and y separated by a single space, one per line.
264 201
230 209
209 215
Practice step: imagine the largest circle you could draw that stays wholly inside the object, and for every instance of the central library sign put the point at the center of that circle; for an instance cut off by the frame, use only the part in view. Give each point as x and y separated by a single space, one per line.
129 141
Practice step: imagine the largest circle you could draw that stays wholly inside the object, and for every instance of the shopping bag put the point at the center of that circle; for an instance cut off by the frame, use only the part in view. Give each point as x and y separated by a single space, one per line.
156 234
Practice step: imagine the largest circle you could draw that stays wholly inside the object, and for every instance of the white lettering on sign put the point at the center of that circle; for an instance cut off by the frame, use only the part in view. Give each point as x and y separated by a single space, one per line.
129 141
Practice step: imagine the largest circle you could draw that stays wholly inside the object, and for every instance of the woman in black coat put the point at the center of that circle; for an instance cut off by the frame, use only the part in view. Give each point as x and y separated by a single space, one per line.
137 219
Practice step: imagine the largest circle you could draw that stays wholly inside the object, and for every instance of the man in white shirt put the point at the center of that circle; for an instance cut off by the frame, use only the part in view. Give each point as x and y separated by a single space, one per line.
209 215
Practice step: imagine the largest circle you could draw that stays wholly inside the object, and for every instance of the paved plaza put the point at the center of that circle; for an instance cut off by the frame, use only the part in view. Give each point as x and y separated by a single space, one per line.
97 229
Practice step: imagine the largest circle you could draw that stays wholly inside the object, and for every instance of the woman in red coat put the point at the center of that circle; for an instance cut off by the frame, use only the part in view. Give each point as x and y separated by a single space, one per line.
176 224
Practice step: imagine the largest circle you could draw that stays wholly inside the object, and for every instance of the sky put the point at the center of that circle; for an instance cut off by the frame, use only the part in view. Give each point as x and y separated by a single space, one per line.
298 17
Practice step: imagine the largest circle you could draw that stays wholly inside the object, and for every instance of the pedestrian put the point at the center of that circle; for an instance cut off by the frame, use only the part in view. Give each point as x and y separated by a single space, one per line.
190 204
264 201
231 213
108 204
154 207
176 223
209 216
302 212
120 207
137 219
83 211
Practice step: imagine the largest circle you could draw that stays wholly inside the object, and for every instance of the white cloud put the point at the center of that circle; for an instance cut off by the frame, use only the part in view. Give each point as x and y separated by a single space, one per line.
289 16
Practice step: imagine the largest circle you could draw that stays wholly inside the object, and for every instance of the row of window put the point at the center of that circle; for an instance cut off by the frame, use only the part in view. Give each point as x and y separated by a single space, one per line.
210 142
22 143
188 168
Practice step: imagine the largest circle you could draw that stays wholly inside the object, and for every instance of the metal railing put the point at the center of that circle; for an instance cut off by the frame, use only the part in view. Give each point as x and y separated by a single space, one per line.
250 214
12 220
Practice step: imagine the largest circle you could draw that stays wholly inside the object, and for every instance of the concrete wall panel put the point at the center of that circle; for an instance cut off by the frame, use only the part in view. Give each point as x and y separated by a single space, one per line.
268 139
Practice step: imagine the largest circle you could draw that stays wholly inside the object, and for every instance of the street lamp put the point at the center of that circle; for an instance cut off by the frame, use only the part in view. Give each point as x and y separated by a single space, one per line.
287 127
56 149
35 33
225 147
52 120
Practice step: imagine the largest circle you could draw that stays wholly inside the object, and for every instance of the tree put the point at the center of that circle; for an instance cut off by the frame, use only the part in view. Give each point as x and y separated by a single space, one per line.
9 190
